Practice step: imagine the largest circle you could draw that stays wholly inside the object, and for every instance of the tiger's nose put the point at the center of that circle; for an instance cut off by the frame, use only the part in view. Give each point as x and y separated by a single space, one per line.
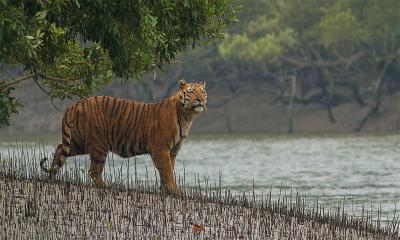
200 99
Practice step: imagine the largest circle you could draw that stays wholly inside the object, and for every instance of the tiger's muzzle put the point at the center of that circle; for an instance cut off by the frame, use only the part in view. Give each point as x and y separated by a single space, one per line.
199 106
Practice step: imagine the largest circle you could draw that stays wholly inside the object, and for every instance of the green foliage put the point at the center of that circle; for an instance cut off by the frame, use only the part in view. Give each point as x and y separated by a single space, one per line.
75 46
9 105
282 27
339 26
353 45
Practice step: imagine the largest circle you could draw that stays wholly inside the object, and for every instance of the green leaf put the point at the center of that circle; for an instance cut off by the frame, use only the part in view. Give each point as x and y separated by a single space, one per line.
77 3
41 15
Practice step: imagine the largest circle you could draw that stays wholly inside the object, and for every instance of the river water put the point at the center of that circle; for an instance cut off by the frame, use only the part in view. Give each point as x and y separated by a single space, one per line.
363 171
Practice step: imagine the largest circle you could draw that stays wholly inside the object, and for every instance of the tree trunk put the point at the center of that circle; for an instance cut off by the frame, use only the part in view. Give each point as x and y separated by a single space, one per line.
227 118
377 98
292 95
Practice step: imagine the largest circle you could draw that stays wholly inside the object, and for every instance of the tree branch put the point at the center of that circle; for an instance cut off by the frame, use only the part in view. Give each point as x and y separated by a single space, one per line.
16 80
57 78
47 92
304 62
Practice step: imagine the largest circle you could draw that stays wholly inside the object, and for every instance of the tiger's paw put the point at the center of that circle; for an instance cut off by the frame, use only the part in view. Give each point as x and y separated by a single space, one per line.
179 192
173 190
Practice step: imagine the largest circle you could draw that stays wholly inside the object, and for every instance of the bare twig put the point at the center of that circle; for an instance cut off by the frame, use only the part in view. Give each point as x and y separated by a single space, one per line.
292 96
47 92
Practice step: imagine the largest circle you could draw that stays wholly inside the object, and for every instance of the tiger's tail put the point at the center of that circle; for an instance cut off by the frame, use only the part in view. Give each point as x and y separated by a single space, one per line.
62 150
44 169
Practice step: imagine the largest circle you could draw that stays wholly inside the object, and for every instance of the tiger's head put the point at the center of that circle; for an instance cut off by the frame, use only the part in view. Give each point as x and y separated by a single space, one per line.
193 96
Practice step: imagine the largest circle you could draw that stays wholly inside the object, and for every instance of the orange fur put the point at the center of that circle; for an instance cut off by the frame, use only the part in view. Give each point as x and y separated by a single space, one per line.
102 124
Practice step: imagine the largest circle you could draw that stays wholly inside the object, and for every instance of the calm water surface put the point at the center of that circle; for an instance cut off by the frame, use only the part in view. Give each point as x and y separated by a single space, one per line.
364 170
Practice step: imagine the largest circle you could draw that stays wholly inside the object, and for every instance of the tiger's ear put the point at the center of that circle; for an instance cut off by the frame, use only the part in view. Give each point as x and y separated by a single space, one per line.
203 83
182 83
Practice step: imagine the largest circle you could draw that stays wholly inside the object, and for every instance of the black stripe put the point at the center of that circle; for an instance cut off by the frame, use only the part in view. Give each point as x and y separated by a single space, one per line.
101 118
113 138
179 124
122 113
132 130
173 137
138 112
83 135
96 149
94 110
118 107
158 113
135 112
185 117
77 145
124 108
128 128
64 153
65 142
141 121
63 130
98 160
118 123
77 122
119 142
96 99
106 100
66 123
132 148
137 123
126 116
146 127
129 120
114 105
92 113
122 148
140 147
107 119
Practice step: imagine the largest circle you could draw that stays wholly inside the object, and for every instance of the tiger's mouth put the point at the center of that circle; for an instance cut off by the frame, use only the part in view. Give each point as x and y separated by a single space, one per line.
198 107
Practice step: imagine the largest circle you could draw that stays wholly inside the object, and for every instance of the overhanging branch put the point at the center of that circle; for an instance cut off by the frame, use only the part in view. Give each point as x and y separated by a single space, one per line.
30 76
16 80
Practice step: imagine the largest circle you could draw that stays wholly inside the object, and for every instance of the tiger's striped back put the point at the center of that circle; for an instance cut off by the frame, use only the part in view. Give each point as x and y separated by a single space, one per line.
112 124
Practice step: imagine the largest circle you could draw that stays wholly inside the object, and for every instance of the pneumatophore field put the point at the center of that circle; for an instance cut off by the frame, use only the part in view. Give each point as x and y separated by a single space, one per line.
71 208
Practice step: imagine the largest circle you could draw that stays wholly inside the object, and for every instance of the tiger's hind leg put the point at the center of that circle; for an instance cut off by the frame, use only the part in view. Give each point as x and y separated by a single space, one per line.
58 161
60 156
97 162
56 164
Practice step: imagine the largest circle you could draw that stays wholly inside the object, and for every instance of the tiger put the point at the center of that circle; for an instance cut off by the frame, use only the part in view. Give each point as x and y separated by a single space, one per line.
102 124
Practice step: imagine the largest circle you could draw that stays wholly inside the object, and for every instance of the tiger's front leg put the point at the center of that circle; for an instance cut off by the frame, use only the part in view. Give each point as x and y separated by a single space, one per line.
163 162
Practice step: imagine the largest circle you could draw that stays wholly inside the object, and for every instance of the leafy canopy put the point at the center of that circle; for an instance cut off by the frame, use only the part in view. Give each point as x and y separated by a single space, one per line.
74 46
